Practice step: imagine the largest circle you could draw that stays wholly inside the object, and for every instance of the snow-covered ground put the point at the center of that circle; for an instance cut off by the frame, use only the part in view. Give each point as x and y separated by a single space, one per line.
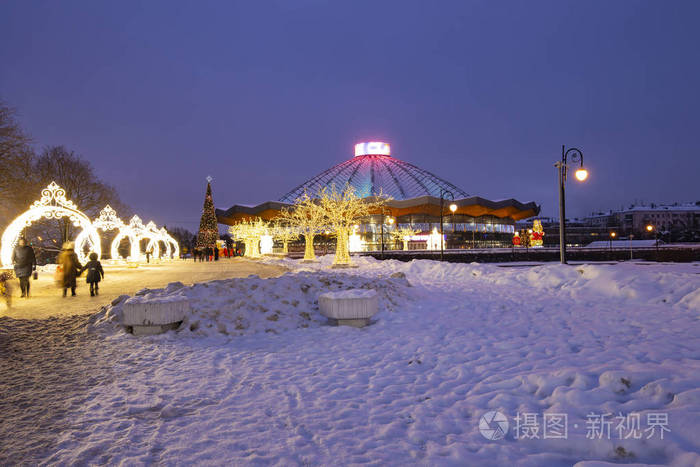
255 375
46 300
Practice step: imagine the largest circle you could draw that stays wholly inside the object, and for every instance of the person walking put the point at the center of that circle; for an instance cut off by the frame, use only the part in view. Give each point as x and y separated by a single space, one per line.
71 268
95 274
24 261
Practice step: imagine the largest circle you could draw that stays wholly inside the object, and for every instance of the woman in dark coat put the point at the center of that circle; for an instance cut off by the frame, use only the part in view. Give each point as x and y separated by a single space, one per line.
71 267
95 274
25 262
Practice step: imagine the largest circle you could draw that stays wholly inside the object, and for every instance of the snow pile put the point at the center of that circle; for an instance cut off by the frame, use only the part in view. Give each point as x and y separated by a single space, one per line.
237 307
627 282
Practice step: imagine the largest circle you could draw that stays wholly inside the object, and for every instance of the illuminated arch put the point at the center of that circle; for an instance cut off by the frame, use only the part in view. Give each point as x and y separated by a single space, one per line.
150 232
133 243
52 205
176 246
107 220
133 232
155 236
166 241
172 247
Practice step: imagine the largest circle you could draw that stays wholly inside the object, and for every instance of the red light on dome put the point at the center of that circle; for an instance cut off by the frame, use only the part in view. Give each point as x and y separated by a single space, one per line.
372 148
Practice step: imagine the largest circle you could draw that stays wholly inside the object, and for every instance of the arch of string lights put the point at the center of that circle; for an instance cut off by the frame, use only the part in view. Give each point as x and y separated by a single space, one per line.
54 205
372 170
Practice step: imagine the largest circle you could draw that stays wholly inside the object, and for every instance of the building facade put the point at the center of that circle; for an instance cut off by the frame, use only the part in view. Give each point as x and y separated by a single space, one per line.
418 200
675 222
679 222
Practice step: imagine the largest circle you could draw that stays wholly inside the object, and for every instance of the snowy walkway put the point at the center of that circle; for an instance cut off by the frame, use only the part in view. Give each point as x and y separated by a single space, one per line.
46 300
255 377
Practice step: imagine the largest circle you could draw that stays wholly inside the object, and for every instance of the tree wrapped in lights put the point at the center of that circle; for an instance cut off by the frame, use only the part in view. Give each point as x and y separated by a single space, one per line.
208 226
307 219
249 232
404 234
283 232
341 211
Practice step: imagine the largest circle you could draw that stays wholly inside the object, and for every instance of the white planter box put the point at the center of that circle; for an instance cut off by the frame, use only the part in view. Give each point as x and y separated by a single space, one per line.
352 307
153 316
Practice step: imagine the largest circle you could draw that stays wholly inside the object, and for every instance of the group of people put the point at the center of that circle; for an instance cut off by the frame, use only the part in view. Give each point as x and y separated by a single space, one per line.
71 269
67 271
213 254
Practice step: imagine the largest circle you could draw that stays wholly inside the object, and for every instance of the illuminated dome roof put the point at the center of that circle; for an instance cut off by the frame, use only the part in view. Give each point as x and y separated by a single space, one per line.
372 171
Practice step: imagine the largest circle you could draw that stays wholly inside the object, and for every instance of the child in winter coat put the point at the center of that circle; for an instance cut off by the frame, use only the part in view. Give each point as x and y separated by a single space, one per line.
95 274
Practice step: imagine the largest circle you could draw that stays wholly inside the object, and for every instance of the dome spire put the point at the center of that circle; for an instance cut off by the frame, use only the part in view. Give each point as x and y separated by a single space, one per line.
372 148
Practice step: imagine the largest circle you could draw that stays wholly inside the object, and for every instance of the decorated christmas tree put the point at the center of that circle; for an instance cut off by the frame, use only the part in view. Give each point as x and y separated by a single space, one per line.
208 227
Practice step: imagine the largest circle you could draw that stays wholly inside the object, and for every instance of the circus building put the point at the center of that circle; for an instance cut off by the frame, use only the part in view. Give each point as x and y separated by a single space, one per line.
417 199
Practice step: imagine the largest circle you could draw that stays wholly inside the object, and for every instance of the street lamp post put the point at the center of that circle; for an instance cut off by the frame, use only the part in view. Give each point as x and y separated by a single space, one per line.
581 175
652 228
631 253
473 234
444 192
381 238
391 221
612 237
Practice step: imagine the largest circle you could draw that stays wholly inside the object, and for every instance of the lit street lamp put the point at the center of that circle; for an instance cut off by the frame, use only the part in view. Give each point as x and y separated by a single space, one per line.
651 228
444 192
612 237
581 175
453 208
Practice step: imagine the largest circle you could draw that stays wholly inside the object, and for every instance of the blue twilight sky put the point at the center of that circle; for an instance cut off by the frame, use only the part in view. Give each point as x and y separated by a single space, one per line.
264 94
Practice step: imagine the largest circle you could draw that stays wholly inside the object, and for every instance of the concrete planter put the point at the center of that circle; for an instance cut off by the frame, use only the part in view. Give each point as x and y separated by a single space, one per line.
148 317
353 307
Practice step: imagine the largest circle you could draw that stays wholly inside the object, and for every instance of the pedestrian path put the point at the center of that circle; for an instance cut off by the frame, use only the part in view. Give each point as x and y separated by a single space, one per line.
46 300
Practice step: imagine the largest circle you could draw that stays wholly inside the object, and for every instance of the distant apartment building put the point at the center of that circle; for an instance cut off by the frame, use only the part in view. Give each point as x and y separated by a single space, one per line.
673 223
679 222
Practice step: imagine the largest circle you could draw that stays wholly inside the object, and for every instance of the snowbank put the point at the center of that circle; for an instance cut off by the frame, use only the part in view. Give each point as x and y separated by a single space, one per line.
237 307
629 282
